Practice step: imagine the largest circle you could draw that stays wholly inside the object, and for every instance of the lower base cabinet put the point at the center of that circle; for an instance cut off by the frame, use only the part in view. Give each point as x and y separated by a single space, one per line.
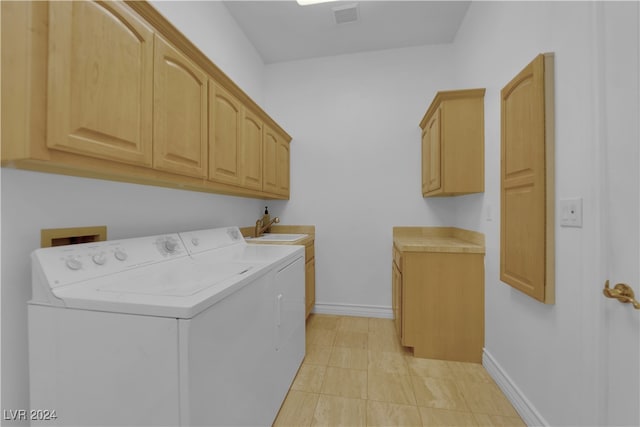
438 299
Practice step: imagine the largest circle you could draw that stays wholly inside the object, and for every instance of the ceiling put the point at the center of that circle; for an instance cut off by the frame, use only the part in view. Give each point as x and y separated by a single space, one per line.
285 31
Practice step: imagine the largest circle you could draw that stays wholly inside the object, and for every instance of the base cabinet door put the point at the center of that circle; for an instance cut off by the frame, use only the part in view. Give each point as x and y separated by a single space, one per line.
397 299
443 305
310 286
180 113
438 303
100 81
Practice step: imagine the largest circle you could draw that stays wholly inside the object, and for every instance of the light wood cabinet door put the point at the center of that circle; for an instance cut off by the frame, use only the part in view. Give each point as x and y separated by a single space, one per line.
310 286
100 81
442 305
282 171
396 295
270 161
225 130
180 113
527 209
431 150
251 151
275 178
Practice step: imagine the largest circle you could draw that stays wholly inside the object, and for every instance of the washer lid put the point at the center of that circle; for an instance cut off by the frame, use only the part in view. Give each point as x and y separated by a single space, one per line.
168 280
179 289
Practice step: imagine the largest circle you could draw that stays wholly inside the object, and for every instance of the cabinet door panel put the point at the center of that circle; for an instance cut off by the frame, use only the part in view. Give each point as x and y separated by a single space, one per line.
251 160
225 119
434 150
100 81
526 250
397 299
270 146
180 113
282 171
310 286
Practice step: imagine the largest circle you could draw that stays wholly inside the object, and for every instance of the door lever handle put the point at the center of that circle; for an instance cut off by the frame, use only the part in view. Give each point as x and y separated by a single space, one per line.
622 292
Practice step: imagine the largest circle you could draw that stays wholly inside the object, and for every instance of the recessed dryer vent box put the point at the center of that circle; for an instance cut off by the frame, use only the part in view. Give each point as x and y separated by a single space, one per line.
70 236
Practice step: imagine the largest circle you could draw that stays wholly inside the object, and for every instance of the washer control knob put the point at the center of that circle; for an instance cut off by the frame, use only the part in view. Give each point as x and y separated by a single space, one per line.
170 245
120 255
74 264
99 259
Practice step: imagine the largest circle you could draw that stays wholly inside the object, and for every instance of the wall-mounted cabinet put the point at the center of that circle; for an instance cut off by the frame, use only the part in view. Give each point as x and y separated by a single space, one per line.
453 144
527 255
112 90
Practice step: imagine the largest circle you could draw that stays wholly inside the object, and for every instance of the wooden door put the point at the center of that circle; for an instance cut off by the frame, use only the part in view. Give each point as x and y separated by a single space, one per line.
251 151
270 161
431 154
527 208
180 113
619 212
100 81
225 132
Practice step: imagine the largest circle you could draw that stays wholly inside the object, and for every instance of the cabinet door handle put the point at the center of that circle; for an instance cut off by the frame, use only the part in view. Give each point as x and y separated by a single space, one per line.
622 292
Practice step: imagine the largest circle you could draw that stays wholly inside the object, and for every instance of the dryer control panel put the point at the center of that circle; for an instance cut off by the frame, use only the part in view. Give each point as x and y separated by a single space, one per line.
64 265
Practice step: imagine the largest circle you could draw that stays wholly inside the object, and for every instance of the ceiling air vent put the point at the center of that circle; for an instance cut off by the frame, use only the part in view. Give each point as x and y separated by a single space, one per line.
345 14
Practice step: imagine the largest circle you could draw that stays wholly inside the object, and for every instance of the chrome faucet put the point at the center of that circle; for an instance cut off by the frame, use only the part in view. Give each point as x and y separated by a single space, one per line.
261 226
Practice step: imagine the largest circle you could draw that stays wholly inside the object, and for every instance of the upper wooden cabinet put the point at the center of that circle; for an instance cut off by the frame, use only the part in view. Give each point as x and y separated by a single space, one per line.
225 129
527 181
276 163
179 113
453 144
100 81
112 90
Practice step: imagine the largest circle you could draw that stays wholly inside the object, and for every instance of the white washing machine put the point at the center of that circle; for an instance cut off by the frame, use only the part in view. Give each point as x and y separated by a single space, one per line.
182 329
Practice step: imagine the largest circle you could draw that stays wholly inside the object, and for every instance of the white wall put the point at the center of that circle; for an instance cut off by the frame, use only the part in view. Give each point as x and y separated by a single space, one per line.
547 351
33 201
355 159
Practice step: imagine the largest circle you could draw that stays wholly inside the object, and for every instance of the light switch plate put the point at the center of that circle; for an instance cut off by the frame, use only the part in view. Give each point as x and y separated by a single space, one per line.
571 212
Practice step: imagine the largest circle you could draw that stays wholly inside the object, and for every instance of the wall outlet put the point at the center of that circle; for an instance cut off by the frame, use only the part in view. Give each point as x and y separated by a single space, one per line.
571 213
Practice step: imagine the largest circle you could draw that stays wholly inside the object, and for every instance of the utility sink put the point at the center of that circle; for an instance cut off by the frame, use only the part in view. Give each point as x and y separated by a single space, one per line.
278 237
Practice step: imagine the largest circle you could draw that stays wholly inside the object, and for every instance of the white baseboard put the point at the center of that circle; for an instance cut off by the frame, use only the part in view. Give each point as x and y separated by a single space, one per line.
354 310
525 408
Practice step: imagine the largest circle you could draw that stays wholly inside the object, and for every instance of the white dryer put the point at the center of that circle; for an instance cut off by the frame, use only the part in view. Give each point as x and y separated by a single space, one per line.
194 328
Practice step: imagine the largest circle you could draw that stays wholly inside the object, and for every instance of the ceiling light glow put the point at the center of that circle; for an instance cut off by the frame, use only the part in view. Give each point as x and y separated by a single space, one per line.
308 2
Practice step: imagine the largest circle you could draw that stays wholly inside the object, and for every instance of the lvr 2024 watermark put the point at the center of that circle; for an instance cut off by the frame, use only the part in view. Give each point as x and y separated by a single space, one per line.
29 414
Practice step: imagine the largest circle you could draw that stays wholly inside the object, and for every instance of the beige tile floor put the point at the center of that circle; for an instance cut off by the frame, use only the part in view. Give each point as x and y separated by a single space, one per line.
355 373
